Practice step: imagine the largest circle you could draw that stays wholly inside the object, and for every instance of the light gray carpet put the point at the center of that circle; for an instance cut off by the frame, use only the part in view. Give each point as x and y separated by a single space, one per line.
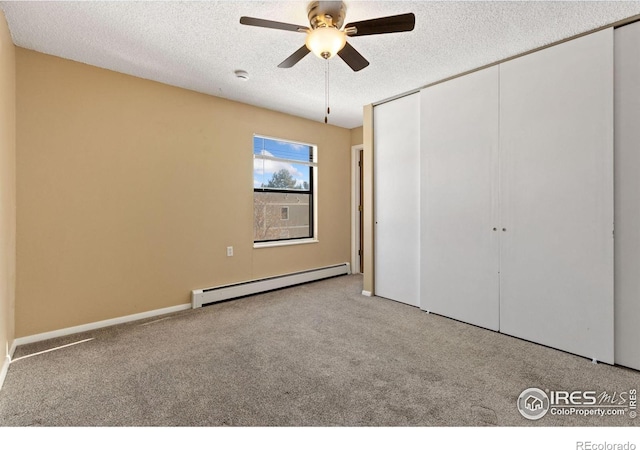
319 354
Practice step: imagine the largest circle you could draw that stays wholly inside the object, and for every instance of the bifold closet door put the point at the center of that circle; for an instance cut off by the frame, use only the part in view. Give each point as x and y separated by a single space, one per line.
459 198
396 150
556 144
627 195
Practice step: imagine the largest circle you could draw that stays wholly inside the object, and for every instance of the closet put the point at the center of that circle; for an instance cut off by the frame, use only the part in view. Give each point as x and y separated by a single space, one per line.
515 197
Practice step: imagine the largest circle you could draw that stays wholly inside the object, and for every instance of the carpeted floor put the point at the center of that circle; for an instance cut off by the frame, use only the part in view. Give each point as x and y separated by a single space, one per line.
319 354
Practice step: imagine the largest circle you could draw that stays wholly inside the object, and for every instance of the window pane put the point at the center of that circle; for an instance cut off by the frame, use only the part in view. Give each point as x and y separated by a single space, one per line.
280 175
269 219
275 167
282 149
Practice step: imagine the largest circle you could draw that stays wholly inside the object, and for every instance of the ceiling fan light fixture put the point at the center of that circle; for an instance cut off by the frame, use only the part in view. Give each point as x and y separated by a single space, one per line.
325 42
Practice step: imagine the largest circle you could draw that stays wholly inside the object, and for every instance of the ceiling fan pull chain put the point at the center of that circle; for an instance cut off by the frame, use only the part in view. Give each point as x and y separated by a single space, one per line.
328 107
326 90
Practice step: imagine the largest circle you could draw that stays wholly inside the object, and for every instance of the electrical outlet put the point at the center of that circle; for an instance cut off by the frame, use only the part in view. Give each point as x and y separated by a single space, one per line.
229 251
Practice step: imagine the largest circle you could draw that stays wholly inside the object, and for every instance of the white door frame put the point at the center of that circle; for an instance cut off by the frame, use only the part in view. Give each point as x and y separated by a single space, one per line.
355 202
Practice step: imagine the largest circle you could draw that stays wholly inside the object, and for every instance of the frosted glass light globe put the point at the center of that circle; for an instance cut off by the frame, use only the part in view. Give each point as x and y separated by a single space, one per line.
326 42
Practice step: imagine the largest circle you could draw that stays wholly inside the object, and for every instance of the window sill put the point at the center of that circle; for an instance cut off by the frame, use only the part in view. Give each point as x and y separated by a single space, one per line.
284 243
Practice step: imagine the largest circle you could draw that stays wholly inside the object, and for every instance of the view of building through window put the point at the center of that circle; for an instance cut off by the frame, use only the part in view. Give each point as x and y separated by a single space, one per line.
283 174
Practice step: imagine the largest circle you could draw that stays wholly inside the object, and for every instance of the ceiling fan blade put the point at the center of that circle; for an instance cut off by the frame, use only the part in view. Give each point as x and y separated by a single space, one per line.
272 24
390 24
353 59
293 59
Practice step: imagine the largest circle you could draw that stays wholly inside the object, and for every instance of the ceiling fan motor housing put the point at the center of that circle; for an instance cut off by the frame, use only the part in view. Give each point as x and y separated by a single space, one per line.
326 14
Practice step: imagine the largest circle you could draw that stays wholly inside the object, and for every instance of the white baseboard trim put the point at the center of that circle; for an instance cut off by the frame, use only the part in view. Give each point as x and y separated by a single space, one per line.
95 325
4 369
367 294
5 364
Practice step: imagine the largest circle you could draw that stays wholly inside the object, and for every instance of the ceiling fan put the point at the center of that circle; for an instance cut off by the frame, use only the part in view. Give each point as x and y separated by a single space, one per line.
326 37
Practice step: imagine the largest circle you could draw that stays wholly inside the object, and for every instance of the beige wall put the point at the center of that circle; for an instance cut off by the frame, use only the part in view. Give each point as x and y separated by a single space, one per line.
356 136
130 191
7 188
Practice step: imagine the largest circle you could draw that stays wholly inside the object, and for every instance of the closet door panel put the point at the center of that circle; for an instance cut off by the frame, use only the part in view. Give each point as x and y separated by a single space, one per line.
397 205
556 141
627 195
459 186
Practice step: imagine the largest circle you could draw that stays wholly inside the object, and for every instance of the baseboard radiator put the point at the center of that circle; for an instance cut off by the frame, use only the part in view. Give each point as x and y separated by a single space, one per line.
201 297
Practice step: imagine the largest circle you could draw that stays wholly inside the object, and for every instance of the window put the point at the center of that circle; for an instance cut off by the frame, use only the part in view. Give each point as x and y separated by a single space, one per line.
283 190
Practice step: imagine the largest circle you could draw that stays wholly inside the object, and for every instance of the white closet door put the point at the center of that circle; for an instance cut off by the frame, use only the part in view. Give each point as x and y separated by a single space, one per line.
396 127
627 195
556 130
459 247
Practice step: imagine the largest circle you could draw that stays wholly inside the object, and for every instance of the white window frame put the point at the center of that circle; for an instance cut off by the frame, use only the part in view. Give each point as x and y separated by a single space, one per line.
314 194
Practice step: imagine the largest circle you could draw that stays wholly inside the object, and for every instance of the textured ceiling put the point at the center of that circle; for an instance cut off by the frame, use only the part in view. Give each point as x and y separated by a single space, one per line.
199 45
